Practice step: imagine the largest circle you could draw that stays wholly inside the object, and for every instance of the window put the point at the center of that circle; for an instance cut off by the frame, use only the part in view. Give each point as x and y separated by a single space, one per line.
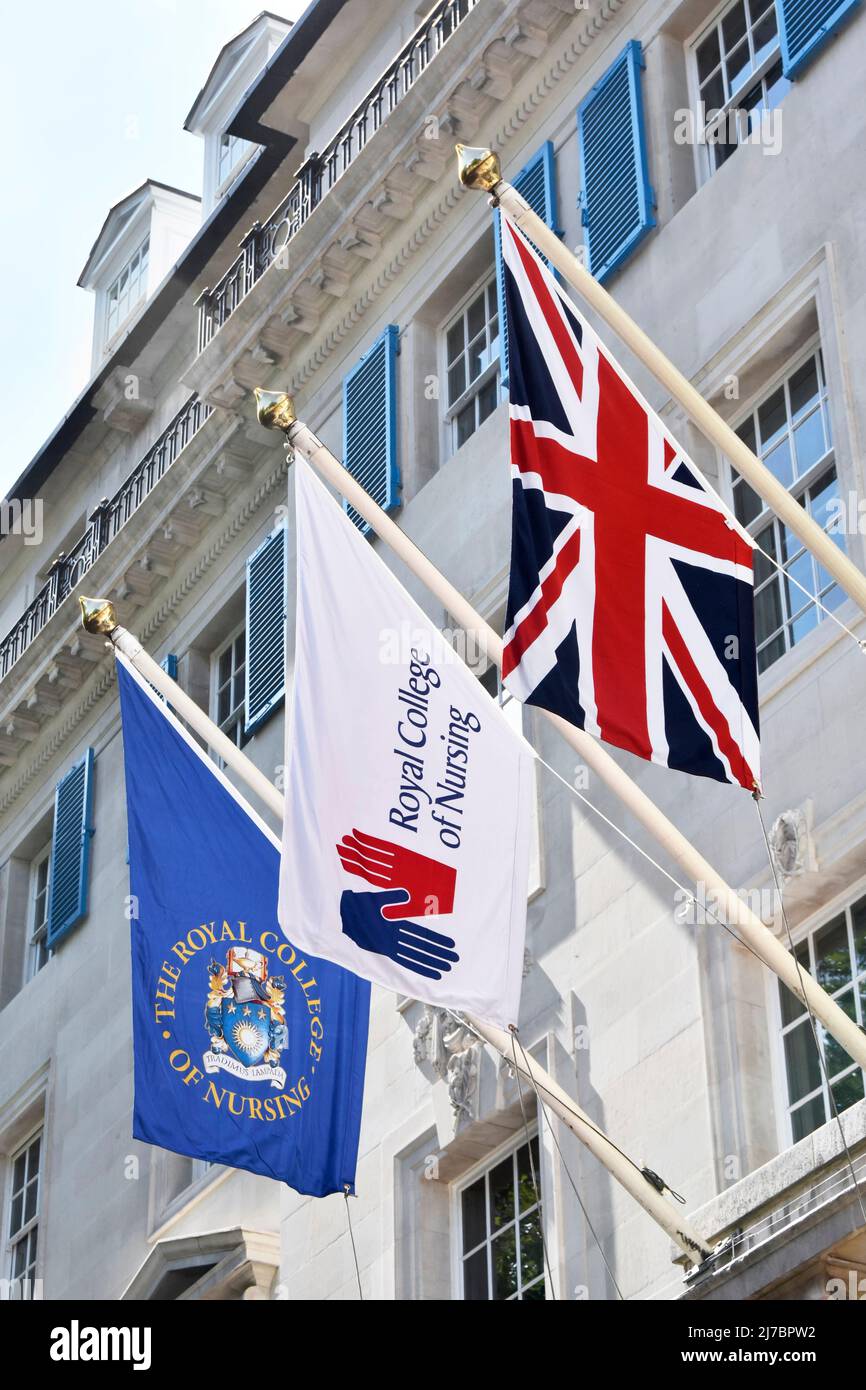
24 1217
472 363
231 150
37 948
790 432
129 287
739 74
501 1252
229 685
835 954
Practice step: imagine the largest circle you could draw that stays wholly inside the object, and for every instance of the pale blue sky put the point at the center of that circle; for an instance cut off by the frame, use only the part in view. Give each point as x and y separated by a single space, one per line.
94 96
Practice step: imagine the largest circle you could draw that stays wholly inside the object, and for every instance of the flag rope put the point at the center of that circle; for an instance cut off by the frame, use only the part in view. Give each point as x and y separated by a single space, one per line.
690 859
648 857
352 1239
812 1023
535 1186
828 612
708 420
690 897
552 1132
466 1021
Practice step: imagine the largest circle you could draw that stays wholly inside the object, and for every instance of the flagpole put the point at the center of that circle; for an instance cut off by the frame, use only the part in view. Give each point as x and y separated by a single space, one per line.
276 411
98 617
479 170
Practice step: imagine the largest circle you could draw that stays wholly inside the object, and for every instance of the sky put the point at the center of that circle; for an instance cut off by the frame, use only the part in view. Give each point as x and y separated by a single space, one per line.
93 98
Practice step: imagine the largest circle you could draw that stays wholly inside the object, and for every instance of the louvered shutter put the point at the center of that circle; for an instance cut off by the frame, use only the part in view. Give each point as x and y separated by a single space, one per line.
169 665
805 25
536 182
370 424
70 850
266 607
616 197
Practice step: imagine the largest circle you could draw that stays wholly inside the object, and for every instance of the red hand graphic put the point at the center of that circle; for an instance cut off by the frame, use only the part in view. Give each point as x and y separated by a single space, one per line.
429 884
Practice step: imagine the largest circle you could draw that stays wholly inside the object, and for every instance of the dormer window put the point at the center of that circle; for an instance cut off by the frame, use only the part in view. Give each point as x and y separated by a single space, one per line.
231 151
238 63
126 291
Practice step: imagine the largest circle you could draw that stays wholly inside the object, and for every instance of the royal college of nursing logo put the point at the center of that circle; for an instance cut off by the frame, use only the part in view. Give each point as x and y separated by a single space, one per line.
414 886
224 970
245 1018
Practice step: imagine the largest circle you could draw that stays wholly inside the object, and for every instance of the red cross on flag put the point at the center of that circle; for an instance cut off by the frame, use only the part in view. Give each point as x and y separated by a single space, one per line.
630 599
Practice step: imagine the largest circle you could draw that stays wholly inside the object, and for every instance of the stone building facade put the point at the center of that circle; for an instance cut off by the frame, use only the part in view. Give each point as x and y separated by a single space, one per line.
329 213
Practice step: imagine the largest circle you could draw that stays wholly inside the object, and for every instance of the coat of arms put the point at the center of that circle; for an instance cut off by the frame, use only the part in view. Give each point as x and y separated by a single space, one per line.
245 1018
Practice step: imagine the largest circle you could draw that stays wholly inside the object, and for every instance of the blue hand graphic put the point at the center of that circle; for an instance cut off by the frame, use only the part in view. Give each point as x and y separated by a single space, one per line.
417 948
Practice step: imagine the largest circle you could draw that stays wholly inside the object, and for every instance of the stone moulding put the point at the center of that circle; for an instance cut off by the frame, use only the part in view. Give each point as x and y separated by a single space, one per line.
149 626
270 315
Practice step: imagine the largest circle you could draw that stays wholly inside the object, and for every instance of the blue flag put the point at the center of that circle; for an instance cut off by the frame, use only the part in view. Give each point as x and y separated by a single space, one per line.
246 1052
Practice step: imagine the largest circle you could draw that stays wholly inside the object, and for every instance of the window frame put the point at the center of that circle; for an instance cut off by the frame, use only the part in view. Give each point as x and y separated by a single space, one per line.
243 149
10 1242
512 1145
37 935
492 371
112 332
842 903
801 485
704 167
237 718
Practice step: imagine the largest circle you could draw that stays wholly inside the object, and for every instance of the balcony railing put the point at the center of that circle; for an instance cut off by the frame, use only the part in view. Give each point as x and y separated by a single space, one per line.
265 242
103 526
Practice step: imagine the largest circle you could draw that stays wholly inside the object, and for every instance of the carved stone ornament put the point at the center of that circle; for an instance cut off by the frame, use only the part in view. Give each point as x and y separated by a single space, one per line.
451 1049
791 844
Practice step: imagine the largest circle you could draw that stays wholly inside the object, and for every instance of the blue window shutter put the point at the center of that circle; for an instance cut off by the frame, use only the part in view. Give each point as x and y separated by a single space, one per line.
805 25
169 665
266 641
370 424
615 194
70 849
536 182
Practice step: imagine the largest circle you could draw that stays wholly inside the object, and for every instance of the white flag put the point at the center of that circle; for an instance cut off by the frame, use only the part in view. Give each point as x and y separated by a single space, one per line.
406 833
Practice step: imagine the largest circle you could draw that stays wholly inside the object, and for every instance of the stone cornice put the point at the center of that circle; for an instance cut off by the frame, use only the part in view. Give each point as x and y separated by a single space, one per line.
434 219
147 628
248 332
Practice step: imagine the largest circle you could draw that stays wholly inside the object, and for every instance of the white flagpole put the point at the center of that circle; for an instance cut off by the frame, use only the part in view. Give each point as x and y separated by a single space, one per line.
276 411
479 169
98 617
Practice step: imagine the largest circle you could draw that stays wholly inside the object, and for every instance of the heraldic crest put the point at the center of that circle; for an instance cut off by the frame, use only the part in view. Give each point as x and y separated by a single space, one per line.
245 1018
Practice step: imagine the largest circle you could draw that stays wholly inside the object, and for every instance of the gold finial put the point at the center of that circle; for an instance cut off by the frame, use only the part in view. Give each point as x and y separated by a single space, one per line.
275 409
97 615
478 167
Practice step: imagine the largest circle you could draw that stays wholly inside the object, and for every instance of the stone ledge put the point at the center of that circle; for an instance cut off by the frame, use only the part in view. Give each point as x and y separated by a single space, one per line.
790 1196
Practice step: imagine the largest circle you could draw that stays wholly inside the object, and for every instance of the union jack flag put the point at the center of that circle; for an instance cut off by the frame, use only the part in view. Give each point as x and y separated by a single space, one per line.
630 599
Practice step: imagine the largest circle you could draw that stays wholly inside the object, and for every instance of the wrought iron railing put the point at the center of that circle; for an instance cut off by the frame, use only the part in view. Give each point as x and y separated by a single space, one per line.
264 242
104 523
